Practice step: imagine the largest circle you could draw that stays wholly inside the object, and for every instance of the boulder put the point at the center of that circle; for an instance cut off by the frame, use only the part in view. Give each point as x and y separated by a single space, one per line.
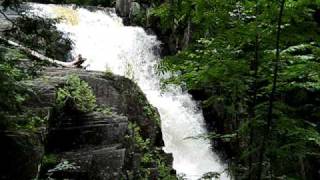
137 13
97 145
20 154
116 92
123 7
80 130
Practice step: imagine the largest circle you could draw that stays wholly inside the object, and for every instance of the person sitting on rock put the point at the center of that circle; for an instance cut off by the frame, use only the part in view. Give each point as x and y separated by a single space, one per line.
77 62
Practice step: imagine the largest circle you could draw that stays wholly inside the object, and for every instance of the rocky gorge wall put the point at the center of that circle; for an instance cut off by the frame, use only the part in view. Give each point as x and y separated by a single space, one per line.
140 13
119 139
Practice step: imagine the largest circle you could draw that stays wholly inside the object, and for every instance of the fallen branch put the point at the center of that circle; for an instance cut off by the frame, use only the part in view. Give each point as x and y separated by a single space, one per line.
75 63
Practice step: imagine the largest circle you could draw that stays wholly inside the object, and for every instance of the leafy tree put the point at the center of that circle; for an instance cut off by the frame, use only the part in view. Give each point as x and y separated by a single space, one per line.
12 91
231 60
10 76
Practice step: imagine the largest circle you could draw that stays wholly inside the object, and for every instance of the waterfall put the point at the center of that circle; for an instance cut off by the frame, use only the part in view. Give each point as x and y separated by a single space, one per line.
108 45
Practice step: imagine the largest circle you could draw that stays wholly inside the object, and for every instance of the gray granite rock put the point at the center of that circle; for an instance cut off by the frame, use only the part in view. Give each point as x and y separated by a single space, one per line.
123 7
116 92
96 145
20 154
6 17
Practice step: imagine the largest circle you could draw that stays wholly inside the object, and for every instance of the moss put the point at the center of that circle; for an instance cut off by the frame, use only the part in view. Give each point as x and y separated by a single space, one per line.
50 160
104 110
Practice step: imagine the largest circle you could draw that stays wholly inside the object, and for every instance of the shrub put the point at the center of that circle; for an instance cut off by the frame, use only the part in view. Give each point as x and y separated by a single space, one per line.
78 92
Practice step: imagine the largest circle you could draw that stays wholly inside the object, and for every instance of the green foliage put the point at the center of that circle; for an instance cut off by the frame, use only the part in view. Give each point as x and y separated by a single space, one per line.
108 73
148 110
152 113
229 39
162 12
41 35
50 160
150 155
12 92
31 123
10 75
104 109
15 66
78 92
139 142
230 60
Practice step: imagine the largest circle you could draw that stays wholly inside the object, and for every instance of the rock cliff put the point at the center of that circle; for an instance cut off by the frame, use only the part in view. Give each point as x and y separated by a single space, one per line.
119 139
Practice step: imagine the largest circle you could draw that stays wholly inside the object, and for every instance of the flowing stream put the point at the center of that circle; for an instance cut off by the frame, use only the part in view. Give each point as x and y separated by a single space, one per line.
101 38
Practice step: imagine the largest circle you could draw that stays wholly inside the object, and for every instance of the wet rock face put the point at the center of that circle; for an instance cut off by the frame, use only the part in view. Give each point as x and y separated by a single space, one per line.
137 13
123 7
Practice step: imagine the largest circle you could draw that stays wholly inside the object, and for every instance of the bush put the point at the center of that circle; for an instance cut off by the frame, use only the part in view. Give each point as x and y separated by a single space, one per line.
78 92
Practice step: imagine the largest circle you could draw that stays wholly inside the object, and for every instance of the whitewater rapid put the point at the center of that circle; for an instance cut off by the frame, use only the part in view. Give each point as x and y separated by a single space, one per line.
101 38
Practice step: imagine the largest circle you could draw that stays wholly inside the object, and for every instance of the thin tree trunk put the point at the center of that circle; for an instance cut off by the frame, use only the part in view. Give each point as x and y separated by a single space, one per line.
171 12
254 96
187 34
41 56
274 88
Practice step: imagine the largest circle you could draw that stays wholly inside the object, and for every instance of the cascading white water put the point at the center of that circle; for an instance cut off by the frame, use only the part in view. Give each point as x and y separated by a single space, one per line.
107 44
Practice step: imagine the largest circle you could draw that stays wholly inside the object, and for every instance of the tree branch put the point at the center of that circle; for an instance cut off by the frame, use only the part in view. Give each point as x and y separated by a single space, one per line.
75 63
6 17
